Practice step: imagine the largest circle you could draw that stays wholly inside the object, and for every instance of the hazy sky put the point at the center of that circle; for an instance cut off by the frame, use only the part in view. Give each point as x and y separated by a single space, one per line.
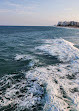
38 12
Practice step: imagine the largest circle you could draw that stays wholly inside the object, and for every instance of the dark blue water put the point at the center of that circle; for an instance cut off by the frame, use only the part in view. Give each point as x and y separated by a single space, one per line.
23 40
19 53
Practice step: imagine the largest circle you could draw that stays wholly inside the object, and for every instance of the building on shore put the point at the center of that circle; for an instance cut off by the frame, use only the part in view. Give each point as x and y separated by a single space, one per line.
70 23
78 24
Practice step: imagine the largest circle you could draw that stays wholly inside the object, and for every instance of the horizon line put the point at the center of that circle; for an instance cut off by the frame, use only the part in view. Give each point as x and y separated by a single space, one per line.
27 25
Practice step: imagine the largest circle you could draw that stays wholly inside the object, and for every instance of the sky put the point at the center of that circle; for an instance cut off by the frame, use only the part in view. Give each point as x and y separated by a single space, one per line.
38 12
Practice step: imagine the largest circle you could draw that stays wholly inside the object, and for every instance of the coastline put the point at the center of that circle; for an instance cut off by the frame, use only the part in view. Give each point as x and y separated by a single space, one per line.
68 27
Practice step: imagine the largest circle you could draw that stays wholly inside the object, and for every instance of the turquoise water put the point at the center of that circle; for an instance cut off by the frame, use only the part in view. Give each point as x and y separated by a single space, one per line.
29 50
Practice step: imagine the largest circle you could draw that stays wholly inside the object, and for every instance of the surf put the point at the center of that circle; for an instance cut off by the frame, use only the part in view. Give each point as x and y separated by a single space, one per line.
52 87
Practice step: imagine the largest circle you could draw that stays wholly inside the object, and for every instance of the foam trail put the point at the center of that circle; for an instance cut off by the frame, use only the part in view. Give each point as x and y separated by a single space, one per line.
23 57
32 59
19 93
60 83
62 80
62 86
57 86
61 48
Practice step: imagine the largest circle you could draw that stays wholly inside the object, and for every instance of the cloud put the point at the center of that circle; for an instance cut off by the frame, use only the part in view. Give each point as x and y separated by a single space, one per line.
26 5
29 8
25 8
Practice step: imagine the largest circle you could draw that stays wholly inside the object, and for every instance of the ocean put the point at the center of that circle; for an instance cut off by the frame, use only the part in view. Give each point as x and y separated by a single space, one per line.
39 68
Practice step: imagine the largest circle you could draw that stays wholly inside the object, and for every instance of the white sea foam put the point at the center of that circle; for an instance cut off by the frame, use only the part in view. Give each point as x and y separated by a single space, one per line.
61 91
20 92
62 88
22 56
63 94
61 48
33 62
32 59
61 82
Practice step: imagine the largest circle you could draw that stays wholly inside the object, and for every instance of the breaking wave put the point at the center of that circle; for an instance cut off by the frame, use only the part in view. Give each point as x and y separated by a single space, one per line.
59 47
50 88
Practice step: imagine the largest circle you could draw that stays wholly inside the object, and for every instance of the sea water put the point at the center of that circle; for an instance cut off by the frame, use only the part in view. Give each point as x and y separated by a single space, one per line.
39 68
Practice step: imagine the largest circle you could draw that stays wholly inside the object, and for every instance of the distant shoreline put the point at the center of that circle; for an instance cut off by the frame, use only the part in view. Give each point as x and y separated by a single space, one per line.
68 26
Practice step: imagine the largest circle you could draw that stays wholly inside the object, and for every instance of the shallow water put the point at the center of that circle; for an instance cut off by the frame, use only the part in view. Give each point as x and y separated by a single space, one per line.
39 69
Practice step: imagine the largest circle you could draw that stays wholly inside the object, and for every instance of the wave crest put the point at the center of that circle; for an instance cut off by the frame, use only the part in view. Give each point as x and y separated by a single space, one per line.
61 48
